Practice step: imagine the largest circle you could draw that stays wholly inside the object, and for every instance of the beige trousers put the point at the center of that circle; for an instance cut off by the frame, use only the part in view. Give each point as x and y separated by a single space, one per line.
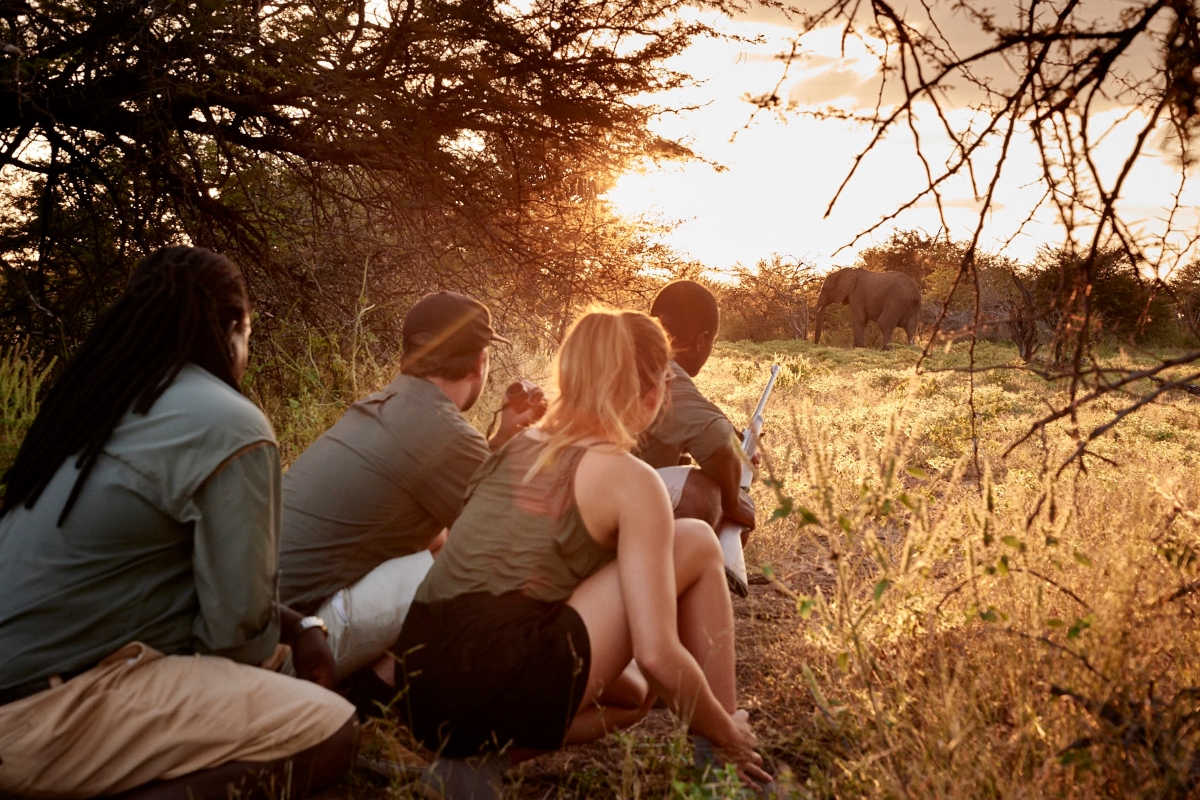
140 716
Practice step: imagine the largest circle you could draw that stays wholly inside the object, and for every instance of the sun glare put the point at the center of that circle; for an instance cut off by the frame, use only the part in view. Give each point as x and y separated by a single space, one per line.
776 174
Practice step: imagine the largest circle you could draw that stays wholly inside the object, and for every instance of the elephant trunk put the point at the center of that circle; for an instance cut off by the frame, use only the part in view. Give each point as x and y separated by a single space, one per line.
820 323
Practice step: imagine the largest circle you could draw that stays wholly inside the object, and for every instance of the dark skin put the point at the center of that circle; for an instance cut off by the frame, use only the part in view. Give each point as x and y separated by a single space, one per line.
723 469
308 771
310 649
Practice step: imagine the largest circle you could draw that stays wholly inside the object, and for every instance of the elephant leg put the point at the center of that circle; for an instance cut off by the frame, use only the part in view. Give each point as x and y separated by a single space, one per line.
858 323
887 326
910 327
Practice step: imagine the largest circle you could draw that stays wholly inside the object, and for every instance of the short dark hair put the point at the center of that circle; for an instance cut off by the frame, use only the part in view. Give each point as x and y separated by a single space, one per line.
686 309
436 363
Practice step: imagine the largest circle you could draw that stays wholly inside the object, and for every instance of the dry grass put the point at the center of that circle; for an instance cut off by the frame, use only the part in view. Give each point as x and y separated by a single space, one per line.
922 628
917 629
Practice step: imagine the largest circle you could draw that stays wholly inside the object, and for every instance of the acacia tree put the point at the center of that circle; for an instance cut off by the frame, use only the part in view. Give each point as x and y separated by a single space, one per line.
333 149
1041 71
770 301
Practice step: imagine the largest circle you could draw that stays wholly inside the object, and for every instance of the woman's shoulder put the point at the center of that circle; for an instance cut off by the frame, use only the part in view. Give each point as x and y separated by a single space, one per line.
612 464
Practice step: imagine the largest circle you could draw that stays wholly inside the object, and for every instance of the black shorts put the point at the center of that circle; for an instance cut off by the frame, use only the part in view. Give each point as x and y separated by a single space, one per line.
481 672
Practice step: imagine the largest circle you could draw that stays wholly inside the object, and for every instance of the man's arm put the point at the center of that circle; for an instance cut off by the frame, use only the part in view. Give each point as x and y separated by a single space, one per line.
235 556
512 422
725 467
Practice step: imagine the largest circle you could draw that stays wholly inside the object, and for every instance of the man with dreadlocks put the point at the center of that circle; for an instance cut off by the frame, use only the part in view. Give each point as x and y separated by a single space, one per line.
689 424
363 504
138 546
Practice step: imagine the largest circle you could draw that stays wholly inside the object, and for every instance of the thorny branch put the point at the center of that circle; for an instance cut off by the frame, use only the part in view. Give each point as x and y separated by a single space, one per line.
1044 73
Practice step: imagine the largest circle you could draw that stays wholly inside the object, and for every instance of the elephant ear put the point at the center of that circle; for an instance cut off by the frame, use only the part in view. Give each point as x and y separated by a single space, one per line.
846 281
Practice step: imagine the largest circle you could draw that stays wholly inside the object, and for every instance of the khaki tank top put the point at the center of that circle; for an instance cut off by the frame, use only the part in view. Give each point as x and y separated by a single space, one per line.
515 535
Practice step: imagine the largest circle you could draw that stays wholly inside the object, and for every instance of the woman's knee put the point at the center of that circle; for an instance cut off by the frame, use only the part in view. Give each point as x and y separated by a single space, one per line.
697 539
697 551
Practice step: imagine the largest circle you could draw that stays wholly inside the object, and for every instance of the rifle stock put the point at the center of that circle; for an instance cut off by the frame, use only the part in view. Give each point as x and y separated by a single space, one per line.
730 534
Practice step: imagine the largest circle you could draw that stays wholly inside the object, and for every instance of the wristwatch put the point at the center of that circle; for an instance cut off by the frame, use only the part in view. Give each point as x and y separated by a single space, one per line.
312 622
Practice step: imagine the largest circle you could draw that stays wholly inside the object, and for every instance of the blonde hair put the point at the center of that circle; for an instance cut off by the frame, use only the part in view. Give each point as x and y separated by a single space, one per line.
608 361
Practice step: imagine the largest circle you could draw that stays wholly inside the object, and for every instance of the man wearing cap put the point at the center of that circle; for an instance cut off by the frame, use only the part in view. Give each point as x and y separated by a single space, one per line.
362 505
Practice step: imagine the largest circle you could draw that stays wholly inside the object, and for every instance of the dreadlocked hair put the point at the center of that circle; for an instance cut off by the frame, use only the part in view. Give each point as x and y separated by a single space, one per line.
177 308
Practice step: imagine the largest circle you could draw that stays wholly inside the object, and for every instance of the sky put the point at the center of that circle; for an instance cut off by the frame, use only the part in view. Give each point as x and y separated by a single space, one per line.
780 171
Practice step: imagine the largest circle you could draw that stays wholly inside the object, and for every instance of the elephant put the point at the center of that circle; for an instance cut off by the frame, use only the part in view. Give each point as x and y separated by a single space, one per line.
891 299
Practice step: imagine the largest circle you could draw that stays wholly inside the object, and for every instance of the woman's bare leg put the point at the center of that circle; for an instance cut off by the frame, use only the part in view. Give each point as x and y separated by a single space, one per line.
706 612
705 618
620 704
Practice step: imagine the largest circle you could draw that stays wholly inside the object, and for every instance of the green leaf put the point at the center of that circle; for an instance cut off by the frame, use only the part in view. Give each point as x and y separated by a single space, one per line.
989 616
785 508
805 607
1051 541
917 472
1081 625
843 662
1054 622
1082 559
769 572
881 587
1002 565
844 523
1012 542
906 502
807 517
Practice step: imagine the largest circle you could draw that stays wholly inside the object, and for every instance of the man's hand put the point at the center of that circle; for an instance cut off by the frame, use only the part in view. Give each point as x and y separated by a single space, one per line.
311 655
743 512
313 659
512 422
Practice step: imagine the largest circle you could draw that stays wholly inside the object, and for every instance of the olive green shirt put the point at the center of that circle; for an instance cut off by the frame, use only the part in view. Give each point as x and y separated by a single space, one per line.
380 484
687 423
172 542
516 535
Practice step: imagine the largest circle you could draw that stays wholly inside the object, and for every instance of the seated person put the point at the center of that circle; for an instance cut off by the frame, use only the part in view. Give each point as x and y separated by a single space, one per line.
362 505
564 566
690 423
138 545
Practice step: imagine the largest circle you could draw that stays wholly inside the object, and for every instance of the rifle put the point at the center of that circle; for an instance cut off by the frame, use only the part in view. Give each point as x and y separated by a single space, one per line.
730 533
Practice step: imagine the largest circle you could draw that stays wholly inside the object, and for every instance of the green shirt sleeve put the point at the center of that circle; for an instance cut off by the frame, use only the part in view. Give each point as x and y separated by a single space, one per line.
690 423
236 554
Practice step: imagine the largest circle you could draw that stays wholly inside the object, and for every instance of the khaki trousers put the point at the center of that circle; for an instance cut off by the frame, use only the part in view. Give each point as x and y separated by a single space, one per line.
140 716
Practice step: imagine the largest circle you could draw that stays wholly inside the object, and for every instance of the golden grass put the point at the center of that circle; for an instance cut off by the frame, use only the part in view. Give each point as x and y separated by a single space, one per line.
961 633
920 627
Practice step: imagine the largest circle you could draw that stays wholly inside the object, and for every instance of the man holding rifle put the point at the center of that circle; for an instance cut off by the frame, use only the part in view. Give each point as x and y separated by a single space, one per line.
690 424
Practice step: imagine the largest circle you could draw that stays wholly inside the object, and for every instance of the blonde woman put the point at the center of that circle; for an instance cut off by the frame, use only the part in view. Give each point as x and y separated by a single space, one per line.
563 570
